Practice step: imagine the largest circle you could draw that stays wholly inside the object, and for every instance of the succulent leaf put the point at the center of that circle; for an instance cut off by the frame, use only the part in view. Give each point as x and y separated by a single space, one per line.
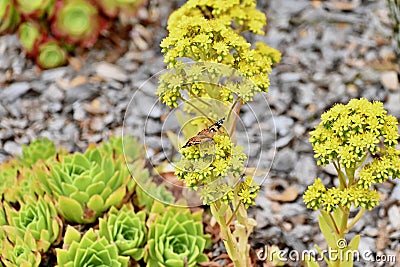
150 192
39 149
89 250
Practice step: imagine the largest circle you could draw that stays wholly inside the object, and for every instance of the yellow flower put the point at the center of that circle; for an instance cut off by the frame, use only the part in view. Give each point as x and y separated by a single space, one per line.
314 193
331 199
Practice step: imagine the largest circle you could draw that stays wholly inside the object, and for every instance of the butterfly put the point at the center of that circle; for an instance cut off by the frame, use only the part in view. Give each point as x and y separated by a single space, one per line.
205 134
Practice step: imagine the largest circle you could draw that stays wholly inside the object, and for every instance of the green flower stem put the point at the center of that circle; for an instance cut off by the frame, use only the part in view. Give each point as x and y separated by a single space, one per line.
236 117
227 237
243 230
361 161
233 214
333 222
236 243
345 218
342 231
350 175
342 179
355 219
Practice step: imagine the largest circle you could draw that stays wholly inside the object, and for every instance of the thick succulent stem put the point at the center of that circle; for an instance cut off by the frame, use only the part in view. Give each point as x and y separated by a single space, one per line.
236 243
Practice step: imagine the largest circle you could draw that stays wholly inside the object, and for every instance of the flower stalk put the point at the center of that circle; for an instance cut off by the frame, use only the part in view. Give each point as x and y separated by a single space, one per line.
359 139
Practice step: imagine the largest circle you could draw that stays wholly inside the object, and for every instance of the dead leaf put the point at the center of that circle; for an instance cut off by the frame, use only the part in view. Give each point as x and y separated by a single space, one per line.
281 191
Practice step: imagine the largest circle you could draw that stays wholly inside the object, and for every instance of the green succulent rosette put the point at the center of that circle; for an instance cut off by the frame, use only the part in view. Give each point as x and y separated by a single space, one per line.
51 55
18 182
126 146
17 179
126 229
175 237
77 22
86 185
150 192
88 250
9 16
38 149
37 216
17 251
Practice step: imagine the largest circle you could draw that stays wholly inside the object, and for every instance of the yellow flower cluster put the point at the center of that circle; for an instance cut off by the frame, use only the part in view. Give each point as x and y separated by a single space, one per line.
380 169
216 169
204 163
210 31
348 132
347 135
318 196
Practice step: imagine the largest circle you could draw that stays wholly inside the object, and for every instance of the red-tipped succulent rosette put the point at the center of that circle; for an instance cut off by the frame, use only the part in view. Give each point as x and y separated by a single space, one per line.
30 35
33 8
9 17
121 8
77 22
108 7
129 8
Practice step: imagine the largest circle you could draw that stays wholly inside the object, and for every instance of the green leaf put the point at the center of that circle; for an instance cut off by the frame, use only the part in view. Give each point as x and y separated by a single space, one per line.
354 243
327 219
327 232
95 188
70 209
29 35
323 255
116 197
189 130
80 160
71 234
310 261
96 203
337 216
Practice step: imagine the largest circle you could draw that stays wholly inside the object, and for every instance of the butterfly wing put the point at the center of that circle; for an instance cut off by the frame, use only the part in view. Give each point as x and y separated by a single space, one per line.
205 134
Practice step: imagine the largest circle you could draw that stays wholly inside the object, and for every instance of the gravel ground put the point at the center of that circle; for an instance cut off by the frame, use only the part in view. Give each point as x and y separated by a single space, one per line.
331 52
